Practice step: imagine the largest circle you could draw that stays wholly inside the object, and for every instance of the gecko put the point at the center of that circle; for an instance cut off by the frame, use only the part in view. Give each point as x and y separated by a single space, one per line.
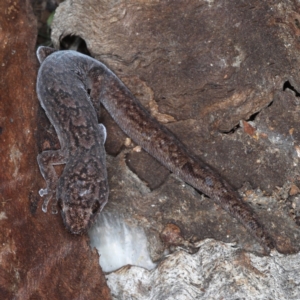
68 80
82 189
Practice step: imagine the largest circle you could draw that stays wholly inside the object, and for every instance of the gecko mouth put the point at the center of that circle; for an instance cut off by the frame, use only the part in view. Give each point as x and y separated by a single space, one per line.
77 232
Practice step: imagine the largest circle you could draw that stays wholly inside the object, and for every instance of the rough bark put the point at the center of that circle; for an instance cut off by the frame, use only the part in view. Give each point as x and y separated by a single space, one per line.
39 259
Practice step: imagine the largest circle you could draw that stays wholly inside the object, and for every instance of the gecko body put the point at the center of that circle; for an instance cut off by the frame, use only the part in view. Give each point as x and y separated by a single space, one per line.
82 189
89 75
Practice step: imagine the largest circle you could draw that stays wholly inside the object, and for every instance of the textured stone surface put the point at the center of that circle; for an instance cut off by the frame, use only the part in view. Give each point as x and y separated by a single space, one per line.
214 72
212 63
39 259
216 271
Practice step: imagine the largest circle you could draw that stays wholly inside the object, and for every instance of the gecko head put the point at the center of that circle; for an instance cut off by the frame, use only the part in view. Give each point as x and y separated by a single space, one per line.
81 205
78 218
82 192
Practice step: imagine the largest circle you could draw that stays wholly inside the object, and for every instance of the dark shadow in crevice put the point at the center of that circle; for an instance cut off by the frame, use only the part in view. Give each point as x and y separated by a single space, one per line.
238 126
287 85
232 130
74 42
250 119
51 5
253 116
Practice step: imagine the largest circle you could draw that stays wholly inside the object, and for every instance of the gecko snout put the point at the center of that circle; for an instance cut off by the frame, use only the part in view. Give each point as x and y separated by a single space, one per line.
77 218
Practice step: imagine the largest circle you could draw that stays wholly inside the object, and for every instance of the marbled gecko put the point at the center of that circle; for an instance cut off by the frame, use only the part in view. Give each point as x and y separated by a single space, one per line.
70 87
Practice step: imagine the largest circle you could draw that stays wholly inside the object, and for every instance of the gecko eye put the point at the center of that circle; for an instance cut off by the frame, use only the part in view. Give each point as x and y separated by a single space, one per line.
95 207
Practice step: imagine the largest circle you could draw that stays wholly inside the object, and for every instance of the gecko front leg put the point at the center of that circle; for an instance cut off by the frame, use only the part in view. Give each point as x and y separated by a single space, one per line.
46 161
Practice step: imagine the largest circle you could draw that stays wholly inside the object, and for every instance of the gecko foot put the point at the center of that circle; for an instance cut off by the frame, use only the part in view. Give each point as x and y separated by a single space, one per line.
44 207
54 210
46 201
43 192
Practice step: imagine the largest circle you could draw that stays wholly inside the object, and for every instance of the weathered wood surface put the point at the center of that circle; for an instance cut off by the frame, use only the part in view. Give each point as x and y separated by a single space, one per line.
214 72
39 259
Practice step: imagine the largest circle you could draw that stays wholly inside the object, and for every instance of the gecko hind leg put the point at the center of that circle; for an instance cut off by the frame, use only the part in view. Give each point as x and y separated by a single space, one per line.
46 161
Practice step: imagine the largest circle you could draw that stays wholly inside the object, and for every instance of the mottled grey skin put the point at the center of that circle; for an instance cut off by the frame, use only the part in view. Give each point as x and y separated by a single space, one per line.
82 189
137 123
